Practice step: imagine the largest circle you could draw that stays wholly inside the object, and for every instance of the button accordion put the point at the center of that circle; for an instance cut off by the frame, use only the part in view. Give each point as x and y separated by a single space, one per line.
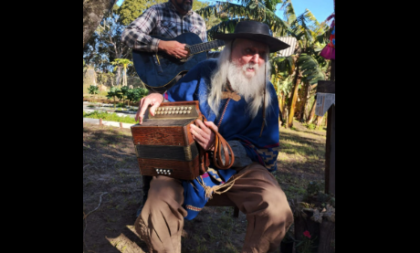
164 144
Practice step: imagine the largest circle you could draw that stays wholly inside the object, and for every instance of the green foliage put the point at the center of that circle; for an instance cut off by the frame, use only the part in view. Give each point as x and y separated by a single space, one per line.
134 95
132 9
311 70
108 117
93 90
114 93
247 10
310 126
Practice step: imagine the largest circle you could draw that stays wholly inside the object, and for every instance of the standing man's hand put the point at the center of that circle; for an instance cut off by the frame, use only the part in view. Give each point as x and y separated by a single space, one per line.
173 48
153 99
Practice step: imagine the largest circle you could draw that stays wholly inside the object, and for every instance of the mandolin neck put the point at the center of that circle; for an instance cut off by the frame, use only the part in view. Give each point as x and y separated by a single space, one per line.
198 48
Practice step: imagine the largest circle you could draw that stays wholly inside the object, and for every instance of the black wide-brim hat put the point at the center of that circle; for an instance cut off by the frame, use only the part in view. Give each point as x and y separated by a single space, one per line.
254 30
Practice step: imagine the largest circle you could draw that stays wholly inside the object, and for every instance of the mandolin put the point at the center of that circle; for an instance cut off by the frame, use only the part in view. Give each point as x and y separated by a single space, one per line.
159 71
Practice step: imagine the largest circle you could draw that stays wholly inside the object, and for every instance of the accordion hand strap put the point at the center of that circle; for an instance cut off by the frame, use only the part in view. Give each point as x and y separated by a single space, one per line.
219 144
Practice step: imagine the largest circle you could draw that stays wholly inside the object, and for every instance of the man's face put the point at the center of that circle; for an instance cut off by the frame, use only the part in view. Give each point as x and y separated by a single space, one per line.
186 5
248 54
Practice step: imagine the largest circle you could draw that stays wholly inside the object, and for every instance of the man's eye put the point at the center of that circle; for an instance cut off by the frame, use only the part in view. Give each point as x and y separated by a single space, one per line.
248 51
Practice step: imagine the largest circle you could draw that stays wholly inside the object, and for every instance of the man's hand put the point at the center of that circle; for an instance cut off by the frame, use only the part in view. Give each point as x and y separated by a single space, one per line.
173 48
154 99
203 134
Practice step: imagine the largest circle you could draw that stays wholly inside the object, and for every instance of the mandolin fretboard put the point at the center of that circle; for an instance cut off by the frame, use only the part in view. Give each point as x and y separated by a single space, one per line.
198 48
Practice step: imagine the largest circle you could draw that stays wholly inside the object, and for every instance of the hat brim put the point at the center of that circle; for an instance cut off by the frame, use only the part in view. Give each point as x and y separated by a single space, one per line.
274 44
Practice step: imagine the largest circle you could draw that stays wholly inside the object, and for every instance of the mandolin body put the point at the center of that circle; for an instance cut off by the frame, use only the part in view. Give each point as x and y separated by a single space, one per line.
158 71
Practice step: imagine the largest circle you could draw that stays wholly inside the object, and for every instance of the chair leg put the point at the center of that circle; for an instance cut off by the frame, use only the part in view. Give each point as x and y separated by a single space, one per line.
236 212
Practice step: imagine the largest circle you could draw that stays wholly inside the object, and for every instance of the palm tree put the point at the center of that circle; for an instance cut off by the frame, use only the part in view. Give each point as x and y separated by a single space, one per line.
124 63
93 90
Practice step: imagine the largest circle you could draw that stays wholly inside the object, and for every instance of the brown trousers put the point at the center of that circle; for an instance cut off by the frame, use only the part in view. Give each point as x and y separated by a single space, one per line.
257 194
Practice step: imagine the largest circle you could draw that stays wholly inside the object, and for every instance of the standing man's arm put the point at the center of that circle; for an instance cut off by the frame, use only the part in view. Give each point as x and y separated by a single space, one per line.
136 36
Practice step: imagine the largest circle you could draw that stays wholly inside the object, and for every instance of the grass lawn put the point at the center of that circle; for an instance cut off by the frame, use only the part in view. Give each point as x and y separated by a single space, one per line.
108 117
110 165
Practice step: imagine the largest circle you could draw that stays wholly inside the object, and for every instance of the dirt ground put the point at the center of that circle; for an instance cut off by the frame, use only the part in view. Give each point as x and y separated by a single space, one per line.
112 192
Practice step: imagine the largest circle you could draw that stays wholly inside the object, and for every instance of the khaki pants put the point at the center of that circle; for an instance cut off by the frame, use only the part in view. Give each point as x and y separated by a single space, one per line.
257 194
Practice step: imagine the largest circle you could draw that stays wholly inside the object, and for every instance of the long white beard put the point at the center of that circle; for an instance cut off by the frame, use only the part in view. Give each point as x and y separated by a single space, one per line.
249 86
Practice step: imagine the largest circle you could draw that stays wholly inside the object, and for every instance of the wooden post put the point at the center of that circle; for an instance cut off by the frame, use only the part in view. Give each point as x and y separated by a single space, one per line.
329 87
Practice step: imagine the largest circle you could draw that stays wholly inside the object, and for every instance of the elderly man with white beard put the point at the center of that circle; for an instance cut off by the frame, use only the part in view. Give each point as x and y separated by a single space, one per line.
239 103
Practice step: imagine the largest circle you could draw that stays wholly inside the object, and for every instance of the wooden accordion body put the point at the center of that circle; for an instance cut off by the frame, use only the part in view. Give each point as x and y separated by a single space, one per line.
164 144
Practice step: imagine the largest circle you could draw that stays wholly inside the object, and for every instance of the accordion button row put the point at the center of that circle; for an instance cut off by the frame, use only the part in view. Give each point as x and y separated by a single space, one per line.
163 171
177 108
173 112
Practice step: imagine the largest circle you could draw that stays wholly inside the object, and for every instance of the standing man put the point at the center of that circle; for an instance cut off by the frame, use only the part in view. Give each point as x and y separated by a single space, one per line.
239 102
167 20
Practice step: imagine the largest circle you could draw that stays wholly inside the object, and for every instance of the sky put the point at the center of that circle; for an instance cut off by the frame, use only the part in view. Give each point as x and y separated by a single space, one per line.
320 8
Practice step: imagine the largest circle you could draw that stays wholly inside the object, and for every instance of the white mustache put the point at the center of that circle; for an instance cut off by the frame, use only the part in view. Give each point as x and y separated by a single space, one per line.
251 66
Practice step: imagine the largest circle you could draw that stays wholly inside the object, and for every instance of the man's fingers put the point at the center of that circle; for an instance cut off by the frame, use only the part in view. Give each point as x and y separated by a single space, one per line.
152 109
199 134
202 126
211 125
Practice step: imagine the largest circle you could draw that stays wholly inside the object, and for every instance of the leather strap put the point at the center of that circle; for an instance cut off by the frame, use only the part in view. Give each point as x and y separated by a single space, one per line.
219 144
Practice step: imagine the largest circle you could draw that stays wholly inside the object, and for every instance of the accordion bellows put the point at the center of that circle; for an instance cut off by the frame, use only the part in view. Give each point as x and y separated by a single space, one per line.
164 144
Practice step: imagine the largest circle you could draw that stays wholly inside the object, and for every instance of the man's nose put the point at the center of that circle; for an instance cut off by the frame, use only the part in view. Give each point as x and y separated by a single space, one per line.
255 58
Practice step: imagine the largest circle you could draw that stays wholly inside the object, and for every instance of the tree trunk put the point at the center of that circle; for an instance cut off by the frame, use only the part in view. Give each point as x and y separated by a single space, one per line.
298 78
281 102
281 106
311 116
125 77
305 92
93 12
118 76
308 95
320 119
112 82
286 117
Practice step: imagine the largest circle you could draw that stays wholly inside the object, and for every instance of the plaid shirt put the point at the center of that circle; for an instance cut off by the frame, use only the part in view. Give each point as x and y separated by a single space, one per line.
162 20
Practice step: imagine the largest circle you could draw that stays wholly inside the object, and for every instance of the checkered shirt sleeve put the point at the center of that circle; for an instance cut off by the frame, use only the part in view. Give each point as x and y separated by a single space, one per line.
161 20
